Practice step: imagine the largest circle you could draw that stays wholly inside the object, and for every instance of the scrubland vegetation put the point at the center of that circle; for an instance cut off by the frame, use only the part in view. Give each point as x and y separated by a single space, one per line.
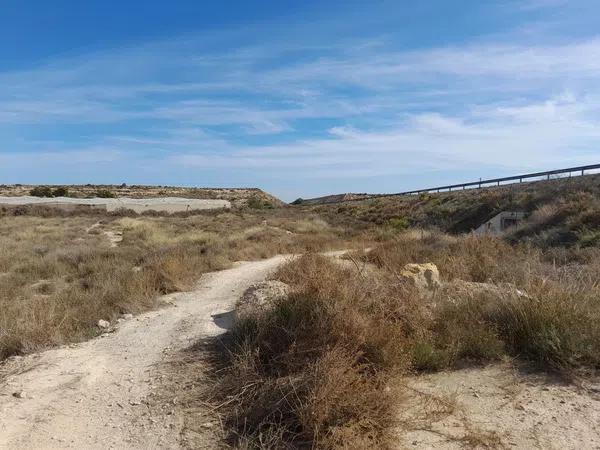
60 275
322 368
563 212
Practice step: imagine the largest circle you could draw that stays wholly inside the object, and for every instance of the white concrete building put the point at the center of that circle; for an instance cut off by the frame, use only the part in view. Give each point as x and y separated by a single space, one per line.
501 222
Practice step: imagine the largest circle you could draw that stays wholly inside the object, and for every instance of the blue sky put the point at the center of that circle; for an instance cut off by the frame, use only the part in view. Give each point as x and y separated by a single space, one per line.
298 98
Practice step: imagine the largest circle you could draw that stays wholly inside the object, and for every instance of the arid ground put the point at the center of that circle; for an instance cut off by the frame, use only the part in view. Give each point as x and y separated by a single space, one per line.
268 326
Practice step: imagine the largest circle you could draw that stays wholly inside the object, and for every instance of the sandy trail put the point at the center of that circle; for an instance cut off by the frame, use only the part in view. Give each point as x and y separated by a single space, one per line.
94 394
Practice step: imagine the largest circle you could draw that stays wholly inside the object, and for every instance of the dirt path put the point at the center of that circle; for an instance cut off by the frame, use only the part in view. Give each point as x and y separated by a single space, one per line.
95 394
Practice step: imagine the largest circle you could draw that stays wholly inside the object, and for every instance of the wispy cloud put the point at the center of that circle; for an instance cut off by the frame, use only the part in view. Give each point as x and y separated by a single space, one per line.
355 108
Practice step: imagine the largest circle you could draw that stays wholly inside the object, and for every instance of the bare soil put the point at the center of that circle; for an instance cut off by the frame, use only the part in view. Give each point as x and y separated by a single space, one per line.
498 406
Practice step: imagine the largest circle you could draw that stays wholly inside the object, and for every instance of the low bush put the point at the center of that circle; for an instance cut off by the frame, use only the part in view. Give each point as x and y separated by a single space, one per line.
314 371
104 193
398 223
60 191
319 369
41 191
255 202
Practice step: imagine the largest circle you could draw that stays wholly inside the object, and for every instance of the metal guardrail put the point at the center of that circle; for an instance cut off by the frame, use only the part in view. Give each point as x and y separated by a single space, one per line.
482 183
578 171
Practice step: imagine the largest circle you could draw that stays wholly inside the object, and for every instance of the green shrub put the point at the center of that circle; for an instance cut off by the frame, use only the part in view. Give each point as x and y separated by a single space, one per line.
398 223
255 202
41 191
589 238
426 357
104 193
60 191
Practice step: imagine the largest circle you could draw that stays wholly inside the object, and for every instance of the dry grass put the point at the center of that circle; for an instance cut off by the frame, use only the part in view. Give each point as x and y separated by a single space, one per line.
60 275
554 326
314 371
463 211
317 369
469 258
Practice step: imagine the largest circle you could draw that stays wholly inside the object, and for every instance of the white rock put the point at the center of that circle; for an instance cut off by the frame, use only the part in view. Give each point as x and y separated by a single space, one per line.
425 277
103 324
260 297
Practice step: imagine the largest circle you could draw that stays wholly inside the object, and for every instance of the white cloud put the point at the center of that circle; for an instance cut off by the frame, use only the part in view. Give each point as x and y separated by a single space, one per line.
92 90
339 111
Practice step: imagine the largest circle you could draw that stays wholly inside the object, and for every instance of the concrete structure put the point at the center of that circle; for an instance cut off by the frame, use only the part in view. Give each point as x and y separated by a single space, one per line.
163 204
501 222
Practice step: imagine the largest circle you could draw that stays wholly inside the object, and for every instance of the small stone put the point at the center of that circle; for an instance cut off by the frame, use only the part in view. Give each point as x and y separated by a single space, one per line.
127 316
20 394
103 324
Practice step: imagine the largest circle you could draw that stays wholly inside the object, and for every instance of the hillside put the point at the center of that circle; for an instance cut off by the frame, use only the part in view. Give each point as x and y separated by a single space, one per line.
237 196
335 198
410 337
560 211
